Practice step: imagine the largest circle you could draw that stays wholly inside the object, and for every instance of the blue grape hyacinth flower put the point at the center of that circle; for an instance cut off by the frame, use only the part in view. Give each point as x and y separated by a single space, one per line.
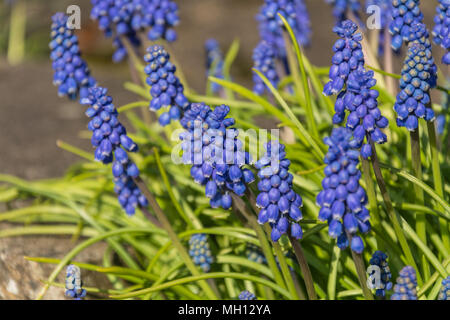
212 147
247 295
404 14
107 131
214 62
264 61
166 89
348 56
406 286
444 293
126 19
200 252
343 200
72 75
379 259
280 205
413 101
254 254
341 8
441 33
74 285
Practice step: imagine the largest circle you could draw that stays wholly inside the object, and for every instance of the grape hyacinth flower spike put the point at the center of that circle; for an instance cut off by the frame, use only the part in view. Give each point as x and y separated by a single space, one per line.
200 252
444 293
280 205
342 200
110 139
214 62
379 259
264 61
404 14
217 157
254 253
441 33
124 20
166 89
406 286
348 56
74 285
413 101
72 75
247 295
341 9
354 84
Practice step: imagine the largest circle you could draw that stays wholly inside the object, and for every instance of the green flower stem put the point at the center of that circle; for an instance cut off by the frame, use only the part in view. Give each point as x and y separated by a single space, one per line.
304 267
332 277
265 245
17 31
420 197
388 62
371 192
437 177
361 271
173 236
393 215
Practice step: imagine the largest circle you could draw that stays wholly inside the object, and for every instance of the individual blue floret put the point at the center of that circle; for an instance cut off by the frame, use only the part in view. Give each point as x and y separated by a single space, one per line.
107 132
214 62
348 56
341 9
404 14
441 34
125 19
217 157
413 101
74 285
166 89
280 205
444 293
264 61
247 295
343 201
200 252
406 286
72 75
379 259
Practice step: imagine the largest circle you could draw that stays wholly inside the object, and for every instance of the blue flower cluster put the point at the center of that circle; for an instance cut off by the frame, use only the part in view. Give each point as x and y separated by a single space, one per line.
413 101
166 89
247 295
379 259
126 18
217 157
342 200
385 19
109 137
73 283
255 254
354 86
342 7
444 293
348 56
107 132
214 62
200 252
406 286
404 14
72 75
441 31
272 46
279 203
264 61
